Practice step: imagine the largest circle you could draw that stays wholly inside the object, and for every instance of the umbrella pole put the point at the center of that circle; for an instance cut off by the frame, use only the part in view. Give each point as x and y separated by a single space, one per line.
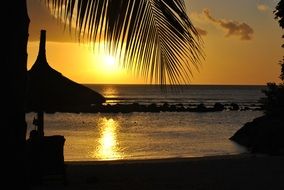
40 117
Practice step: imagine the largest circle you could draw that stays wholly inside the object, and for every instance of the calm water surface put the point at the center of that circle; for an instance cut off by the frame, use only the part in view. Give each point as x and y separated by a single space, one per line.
146 135
154 135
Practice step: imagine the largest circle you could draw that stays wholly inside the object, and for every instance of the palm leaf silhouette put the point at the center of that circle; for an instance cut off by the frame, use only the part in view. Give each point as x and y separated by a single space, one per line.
152 38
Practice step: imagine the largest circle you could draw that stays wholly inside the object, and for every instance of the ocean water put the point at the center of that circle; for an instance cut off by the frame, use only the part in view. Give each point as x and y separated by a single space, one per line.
106 136
193 94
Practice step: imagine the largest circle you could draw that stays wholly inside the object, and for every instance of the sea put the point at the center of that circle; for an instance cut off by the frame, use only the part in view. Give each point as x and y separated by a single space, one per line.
146 135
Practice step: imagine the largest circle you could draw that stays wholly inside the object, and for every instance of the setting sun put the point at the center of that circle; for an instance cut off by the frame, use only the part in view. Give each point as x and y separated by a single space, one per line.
103 60
109 60
106 63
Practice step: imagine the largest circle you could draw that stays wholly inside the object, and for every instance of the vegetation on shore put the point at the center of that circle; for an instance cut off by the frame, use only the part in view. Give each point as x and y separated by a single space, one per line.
273 102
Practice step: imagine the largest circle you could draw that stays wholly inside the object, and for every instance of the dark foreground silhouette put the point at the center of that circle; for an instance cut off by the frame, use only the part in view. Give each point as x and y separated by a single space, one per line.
45 158
243 172
262 135
50 90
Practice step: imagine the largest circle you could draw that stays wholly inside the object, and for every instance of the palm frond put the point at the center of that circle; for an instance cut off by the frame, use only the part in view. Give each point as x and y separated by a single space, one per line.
153 38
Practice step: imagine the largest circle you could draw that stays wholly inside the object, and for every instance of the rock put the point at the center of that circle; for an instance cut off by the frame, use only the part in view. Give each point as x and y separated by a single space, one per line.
218 107
234 107
263 135
201 108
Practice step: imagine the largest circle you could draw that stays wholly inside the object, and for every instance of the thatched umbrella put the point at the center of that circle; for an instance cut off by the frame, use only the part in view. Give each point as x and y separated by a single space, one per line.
50 91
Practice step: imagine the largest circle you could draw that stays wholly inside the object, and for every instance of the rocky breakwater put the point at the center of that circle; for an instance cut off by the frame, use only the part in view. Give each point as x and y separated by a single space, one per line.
264 134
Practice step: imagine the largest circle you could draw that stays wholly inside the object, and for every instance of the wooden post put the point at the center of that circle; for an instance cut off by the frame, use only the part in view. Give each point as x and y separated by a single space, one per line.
41 59
40 120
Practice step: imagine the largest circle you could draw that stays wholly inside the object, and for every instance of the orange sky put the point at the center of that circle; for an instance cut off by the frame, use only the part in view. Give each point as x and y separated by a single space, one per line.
242 45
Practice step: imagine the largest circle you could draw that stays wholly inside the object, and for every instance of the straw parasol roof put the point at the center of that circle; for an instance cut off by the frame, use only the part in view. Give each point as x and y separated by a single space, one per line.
50 91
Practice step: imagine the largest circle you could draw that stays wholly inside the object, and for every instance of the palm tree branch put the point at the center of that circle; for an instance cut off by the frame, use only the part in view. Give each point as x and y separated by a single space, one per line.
154 38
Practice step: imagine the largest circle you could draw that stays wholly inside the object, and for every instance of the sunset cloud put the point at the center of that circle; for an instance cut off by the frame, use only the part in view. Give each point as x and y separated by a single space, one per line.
262 7
232 27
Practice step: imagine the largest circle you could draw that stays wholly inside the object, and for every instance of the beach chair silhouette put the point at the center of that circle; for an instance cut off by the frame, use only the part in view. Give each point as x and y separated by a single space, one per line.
46 158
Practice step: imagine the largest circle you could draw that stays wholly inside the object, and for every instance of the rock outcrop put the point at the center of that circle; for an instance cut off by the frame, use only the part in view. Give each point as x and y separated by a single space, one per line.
263 135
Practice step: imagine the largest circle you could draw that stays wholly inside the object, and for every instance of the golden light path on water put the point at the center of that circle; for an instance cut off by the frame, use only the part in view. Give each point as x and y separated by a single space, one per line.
110 93
108 146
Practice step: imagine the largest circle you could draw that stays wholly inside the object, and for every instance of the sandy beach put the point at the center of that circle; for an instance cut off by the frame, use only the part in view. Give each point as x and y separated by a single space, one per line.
237 172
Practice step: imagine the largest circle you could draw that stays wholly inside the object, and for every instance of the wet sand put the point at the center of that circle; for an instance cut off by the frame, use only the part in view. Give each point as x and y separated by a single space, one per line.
232 172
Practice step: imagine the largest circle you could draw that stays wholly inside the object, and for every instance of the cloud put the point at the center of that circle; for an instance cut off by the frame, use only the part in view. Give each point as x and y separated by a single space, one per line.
233 28
201 31
262 7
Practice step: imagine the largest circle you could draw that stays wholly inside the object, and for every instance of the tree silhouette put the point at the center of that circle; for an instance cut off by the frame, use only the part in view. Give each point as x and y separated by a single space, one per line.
279 13
274 94
157 36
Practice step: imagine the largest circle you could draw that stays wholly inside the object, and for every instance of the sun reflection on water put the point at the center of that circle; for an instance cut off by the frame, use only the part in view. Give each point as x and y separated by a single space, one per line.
108 146
110 92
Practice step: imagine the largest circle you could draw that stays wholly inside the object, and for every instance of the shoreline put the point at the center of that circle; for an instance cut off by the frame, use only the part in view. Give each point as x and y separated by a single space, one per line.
242 171
160 160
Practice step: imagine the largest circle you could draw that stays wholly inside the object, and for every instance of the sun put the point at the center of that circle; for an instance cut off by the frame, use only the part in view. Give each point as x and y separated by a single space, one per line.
105 63
109 60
